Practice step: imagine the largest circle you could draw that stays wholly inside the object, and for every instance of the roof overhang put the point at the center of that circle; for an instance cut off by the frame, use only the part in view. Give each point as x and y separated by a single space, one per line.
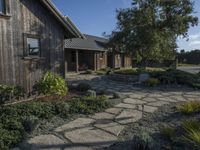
89 49
65 21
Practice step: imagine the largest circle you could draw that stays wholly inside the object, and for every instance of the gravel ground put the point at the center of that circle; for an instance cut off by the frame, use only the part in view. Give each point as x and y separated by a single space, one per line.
149 127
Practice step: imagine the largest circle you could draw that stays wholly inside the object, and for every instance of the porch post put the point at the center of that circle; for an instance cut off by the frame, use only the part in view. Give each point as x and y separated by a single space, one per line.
95 61
66 63
77 62
113 55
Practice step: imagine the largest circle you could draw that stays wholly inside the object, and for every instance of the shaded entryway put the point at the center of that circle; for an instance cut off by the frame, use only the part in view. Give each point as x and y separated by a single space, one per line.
79 60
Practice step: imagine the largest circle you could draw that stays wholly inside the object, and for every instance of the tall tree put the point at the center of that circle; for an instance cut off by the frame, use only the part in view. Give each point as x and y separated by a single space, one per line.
150 28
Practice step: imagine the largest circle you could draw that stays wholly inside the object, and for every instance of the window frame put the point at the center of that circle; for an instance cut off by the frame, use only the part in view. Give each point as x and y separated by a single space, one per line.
5 8
26 50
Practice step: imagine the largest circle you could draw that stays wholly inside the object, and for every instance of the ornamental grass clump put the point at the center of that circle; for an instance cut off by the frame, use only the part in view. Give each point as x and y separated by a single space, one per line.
192 132
51 84
189 107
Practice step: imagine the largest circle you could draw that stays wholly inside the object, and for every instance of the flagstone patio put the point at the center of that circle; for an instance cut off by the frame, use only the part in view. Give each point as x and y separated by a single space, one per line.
102 129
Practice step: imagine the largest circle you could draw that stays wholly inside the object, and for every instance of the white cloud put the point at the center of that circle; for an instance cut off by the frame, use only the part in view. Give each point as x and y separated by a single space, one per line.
194 40
193 43
195 36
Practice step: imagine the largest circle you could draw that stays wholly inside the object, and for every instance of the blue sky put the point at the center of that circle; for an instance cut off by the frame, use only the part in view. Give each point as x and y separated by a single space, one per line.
98 16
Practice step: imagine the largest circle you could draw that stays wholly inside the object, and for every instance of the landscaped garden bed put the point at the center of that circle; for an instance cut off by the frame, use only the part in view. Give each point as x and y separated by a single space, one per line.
172 127
157 76
57 105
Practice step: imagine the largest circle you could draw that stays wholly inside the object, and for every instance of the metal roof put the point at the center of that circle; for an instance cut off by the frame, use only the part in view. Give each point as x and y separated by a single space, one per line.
65 21
89 43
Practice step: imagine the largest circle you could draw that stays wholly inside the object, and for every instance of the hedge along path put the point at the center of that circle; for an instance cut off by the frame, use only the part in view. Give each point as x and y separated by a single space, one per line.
104 128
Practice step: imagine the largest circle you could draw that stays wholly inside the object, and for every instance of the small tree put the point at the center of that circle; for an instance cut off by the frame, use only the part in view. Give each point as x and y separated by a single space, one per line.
149 29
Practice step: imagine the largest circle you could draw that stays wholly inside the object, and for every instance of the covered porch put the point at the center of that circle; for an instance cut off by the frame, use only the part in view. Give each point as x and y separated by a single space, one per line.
81 60
84 54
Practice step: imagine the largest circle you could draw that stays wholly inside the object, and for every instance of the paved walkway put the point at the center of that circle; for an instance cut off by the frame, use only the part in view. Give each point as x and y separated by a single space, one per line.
102 129
190 69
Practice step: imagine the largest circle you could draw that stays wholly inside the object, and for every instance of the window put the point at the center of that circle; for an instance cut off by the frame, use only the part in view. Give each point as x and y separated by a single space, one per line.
2 7
33 46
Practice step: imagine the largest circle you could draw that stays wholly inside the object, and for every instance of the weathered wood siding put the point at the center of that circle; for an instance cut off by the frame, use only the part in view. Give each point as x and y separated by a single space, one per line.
29 17
117 60
101 60
127 62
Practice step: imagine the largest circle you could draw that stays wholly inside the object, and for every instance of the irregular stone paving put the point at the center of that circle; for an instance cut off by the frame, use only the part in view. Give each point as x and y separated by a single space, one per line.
102 129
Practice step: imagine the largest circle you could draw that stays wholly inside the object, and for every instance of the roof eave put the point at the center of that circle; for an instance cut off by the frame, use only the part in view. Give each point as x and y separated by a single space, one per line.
65 22
89 49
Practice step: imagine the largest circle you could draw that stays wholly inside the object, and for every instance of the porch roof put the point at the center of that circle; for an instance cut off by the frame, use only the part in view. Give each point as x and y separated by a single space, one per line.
89 43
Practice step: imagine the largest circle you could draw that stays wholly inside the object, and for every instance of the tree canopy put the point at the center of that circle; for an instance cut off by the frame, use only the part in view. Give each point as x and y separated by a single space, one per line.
189 57
150 28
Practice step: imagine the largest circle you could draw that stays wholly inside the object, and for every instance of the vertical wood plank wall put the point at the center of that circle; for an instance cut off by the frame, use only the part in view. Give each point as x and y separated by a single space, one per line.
101 62
30 17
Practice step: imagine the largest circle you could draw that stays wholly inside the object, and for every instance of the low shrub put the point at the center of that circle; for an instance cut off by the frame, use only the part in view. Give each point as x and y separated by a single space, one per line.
30 123
195 85
143 141
127 72
83 87
10 92
167 132
104 71
189 107
152 82
192 132
137 71
9 138
172 76
19 119
51 84
62 109
88 105
88 71
16 120
141 70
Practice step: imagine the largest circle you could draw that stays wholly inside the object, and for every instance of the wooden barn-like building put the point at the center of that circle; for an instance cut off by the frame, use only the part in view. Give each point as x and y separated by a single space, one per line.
35 37
32 34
